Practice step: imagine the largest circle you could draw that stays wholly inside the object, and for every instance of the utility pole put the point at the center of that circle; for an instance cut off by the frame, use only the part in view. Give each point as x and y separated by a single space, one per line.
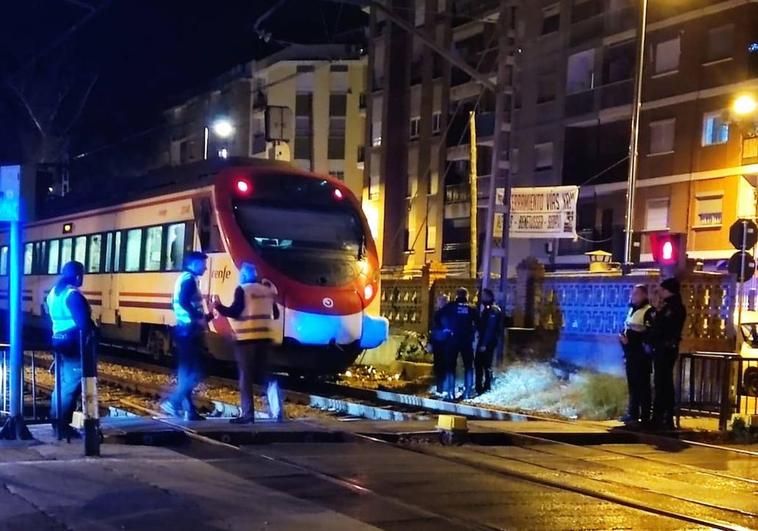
497 173
473 192
634 138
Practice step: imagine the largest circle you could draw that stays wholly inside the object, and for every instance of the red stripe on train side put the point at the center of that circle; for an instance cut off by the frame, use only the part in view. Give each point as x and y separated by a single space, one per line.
148 305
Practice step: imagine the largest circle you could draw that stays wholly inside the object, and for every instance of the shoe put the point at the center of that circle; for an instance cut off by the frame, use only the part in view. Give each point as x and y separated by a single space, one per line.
193 415
169 409
245 419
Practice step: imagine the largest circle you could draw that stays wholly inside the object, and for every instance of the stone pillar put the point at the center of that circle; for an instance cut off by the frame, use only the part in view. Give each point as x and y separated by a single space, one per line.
529 276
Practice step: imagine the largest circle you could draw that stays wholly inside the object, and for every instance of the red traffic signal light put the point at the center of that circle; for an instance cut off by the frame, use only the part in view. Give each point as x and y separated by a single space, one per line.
668 249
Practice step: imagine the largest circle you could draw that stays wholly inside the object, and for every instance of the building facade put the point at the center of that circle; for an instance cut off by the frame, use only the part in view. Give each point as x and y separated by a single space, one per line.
571 104
301 104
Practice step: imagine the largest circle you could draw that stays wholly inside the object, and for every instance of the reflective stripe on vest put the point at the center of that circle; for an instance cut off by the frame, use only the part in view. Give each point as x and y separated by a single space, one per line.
256 318
60 313
183 317
635 319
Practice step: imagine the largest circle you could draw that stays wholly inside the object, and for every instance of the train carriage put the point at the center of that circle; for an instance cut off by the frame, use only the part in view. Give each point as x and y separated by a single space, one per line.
305 233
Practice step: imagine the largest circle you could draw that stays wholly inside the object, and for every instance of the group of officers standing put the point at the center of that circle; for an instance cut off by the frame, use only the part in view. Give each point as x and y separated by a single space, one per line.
253 309
455 327
650 340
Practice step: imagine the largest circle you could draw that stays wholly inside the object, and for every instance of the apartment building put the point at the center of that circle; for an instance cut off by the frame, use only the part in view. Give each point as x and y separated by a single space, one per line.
417 161
302 104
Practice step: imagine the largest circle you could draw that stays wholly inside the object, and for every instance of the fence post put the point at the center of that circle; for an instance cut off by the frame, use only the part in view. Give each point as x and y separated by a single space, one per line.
529 274
725 411
87 346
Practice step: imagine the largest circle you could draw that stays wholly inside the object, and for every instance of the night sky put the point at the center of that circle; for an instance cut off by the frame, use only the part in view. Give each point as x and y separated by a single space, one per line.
142 55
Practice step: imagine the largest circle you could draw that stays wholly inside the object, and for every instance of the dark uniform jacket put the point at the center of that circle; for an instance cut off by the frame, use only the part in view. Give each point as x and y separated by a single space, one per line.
461 318
666 326
490 326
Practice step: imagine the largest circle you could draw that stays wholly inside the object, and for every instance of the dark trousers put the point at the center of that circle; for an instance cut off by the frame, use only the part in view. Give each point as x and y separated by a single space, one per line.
483 367
189 348
252 359
639 366
70 372
466 352
440 360
663 376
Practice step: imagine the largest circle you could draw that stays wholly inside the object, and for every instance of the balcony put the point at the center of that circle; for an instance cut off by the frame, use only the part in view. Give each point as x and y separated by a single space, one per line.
456 251
580 103
616 94
457 193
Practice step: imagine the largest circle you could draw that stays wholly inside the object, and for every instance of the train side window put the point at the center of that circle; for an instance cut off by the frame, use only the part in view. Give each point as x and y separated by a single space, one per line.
28 258
133 247
67 245
95 247
117 252
153 245
175 244
53 256
4 260
108 252
207 228
40 254
80 249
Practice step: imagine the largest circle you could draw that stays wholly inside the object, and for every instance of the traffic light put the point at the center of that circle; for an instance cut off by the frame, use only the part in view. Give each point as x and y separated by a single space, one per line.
669 249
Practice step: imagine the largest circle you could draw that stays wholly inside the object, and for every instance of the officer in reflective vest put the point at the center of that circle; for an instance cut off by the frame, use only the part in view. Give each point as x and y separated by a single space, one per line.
252 311
189 337
71 321
638 360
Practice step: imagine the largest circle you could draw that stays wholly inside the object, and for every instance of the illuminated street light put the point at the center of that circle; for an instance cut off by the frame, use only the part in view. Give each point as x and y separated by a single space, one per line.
223 128
744 105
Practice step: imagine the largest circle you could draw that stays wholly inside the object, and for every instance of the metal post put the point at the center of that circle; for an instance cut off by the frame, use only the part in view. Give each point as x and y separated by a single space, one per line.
34 385
497 149
89 395
473 193
740 293
635 133
205 142
15 427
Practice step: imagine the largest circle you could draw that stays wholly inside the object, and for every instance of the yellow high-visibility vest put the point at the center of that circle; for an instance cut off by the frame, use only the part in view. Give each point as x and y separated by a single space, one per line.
60 313
635 319
255 321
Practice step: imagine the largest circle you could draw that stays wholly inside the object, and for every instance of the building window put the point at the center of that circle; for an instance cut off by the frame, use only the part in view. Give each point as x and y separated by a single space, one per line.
667 55
436 122
543 156
708 209
336 143
28 256
551 19
338 104
303 113
420 12
580 71
175 247
720 43
618 62
431 237
93 261
376 133
662 136
545 88
415 125
657 214
514 160
133 246
52 266
80 249
4 260
153 244
715 129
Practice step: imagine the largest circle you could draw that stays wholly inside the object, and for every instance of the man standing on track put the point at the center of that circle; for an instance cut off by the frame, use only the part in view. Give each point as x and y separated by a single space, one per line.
72 322
253 309
189 337
489 330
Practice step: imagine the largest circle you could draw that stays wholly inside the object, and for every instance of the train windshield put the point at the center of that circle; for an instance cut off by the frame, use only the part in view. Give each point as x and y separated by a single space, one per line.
291 229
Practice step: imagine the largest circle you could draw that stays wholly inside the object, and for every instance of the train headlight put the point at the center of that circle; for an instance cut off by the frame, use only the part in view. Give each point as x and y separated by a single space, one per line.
368 291
243 187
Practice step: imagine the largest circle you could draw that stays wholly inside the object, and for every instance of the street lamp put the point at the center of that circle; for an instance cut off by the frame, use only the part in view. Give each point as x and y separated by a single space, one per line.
221 127
744 105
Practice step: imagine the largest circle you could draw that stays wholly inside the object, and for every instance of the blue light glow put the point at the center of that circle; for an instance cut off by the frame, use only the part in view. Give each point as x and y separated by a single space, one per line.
316 329
375 331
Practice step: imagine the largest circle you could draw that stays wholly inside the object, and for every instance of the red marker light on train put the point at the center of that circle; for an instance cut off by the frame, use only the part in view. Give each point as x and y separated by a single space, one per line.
338 194
243 186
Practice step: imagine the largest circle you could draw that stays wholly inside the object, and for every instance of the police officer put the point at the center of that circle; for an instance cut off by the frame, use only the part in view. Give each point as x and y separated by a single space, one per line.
490 326
189 337
438 340
665 335
636 357
462 319
72 322
253 309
